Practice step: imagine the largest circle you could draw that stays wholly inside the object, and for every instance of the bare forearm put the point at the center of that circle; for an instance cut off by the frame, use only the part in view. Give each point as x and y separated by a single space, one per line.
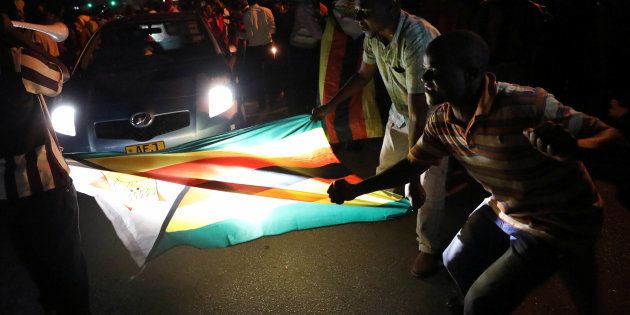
417 117
606 138
397 175
352 86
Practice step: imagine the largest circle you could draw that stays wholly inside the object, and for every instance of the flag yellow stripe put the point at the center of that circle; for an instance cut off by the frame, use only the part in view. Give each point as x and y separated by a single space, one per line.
287 149
371 115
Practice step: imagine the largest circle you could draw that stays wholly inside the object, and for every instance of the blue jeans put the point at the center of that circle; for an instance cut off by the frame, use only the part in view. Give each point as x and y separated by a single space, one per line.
496 265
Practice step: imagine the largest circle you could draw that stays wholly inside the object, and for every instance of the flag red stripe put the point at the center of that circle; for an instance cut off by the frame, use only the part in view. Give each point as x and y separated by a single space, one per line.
332 81
357 121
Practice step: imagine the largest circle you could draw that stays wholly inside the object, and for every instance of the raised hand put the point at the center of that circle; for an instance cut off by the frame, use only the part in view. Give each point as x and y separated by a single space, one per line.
552 140
319 112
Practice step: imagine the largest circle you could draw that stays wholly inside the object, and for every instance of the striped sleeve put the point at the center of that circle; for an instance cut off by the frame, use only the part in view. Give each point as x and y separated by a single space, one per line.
429 149
577 123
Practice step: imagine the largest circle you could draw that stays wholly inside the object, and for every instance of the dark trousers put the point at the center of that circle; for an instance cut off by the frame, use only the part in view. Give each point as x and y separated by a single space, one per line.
302 85
258 72
44 231
496 270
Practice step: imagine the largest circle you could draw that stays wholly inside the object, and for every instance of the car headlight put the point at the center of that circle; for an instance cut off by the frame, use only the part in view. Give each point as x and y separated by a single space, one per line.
220 99
63 120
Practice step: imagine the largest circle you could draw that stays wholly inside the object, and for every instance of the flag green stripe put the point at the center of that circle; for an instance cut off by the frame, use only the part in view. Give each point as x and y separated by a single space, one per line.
299 216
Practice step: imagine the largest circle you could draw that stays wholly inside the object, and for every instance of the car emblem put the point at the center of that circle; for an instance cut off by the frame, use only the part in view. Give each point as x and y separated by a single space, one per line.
141 120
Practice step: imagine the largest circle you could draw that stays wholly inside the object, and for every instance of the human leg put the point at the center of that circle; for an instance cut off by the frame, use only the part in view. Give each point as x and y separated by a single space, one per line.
494 270
475 247
255 60
506 282
45 234
579 275
266 76
395 146
430 217
300 96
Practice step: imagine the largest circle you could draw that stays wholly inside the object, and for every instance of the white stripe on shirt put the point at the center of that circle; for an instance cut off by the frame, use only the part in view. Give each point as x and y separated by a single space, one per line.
21 176
45 174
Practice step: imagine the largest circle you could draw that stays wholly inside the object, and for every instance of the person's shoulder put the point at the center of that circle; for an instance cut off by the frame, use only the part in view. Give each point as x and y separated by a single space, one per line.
265 9
415 19
513 89
441 109
438 114
417 30
511 94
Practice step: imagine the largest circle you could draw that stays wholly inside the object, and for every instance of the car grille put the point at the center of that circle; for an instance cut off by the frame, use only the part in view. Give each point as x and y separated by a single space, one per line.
122 129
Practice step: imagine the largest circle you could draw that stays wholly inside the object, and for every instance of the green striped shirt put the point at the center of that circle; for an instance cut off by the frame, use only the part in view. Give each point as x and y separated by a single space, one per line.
400 61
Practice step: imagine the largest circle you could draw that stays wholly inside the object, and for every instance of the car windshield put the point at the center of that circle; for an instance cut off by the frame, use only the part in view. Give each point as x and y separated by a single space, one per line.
139 46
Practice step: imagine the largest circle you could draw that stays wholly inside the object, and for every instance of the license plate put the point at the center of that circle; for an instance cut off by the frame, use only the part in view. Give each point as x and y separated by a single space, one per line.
145 147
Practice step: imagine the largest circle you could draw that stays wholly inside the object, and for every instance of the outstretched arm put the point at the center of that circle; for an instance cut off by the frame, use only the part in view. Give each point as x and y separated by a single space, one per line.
564 133
554 141
397 175
353 85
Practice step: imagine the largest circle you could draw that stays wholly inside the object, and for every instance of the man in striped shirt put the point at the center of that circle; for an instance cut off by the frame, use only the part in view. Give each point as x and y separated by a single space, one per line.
37 197
522 145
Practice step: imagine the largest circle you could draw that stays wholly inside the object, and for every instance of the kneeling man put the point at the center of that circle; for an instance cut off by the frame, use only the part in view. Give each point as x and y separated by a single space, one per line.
523 146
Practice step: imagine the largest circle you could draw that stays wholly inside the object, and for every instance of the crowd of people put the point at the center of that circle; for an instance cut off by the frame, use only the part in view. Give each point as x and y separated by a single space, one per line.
448 98
526 39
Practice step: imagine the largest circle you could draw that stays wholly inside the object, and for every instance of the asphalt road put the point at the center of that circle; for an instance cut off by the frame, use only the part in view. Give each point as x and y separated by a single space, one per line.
360 268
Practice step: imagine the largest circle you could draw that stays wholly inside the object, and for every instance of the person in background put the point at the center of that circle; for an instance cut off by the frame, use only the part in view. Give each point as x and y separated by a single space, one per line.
84 27
524 147
37 198
43 15
259 26
394 43
618 114
214 15
19 6
170 7
616 163
303 60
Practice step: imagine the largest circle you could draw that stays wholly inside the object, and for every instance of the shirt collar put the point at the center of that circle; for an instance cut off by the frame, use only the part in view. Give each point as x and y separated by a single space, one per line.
401 21
484 105
489 92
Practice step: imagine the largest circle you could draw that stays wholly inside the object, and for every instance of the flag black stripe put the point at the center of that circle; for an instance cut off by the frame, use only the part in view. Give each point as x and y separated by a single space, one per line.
354 50
330 171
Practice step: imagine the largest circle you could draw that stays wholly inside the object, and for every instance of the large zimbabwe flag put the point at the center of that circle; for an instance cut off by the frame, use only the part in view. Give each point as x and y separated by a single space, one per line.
226 189
340 57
